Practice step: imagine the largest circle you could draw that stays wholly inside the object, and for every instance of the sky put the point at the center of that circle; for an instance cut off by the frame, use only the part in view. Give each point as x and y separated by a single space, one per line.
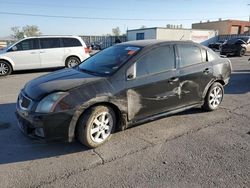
98 17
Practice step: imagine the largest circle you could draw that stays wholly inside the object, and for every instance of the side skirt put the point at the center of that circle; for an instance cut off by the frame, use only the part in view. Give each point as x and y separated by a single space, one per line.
164 114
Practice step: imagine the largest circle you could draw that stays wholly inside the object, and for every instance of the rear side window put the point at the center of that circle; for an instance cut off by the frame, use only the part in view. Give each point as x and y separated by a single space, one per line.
189 55
158 60
49 43
71 42
29 44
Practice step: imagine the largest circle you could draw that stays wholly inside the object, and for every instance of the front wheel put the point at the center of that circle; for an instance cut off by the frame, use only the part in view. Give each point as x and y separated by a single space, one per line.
213 97
242 52
5 68
96 126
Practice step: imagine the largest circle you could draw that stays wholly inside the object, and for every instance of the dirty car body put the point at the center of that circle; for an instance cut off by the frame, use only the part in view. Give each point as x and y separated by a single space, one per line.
138 88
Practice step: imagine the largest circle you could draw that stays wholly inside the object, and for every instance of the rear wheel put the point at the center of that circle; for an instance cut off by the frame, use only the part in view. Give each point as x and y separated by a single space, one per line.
213 97
5 68
96 126
72 62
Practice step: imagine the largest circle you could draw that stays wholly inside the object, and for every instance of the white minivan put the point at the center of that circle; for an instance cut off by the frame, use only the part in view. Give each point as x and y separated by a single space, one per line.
43 52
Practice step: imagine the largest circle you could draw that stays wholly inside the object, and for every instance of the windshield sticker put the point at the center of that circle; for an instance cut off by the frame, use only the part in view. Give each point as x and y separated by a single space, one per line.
131 52
131 48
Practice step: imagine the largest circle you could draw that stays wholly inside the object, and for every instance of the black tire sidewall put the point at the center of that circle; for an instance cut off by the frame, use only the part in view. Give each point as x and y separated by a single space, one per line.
85 126
9 66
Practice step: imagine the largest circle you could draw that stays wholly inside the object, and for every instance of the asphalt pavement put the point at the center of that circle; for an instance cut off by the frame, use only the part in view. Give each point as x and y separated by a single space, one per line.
189 149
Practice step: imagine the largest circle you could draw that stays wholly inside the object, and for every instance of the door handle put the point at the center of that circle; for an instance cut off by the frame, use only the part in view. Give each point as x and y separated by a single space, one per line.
172 80
206 71
33 52
42 52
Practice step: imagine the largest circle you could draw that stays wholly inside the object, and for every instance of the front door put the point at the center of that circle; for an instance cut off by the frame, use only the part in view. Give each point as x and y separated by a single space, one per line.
154 88
25 54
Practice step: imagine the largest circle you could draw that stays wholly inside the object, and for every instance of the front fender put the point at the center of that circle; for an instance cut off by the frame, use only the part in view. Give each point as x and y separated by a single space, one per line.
102 100
5 58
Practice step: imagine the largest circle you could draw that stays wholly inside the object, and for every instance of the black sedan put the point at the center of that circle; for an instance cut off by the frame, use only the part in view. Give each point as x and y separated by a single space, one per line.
123 85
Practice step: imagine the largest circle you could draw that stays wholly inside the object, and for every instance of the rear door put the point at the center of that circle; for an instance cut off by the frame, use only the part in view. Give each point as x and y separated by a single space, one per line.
25 54
51 53
154 87
195 73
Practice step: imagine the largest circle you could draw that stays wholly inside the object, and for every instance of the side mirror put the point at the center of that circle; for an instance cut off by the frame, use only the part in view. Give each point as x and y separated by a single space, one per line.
14 48
131 72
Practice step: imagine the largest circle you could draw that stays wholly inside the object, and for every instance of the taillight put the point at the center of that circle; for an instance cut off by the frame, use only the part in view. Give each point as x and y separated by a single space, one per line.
86 50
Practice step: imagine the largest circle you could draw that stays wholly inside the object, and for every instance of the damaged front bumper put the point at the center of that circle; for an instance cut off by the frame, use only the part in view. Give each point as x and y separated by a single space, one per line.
47 127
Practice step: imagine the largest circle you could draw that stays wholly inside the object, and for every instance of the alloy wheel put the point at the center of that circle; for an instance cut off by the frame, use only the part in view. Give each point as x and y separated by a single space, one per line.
101 127
215 97
72 63
4 69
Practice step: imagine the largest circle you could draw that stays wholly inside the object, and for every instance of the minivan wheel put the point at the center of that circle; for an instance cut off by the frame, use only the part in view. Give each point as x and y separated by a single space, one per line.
5 68
96 126
242 52
213 97
72 62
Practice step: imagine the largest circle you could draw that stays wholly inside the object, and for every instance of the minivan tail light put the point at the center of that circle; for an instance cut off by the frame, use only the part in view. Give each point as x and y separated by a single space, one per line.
86 50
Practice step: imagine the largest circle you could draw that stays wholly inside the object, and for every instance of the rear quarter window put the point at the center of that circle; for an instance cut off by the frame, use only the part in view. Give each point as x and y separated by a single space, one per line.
212 55
71 42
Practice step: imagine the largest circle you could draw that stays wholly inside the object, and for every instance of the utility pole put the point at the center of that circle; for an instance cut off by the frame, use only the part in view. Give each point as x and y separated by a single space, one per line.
249 14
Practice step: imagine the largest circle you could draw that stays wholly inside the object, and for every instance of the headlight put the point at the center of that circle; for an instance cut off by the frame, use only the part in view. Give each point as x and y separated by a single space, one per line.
48 103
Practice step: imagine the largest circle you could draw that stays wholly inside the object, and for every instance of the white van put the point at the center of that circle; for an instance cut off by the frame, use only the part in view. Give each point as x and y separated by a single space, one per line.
43 52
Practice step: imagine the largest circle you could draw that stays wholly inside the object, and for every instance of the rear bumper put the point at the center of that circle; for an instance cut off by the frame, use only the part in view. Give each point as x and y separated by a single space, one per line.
47 127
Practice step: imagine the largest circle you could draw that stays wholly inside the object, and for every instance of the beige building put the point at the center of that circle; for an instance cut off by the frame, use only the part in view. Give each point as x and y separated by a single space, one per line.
163 33
225 27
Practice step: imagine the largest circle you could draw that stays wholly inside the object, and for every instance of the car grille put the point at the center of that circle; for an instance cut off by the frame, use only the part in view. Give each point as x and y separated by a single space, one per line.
24 102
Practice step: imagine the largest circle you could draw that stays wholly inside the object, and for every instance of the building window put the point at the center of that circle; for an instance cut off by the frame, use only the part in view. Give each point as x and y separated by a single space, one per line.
236 29
246 29
139 36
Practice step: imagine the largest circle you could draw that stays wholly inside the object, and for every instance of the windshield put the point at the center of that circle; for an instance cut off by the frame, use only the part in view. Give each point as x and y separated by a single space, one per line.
234 40
109 60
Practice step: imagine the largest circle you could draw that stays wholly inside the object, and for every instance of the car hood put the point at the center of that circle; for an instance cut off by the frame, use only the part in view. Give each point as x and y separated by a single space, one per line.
62 80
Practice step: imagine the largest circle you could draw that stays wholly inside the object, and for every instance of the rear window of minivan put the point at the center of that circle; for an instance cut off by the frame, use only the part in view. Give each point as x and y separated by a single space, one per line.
71 42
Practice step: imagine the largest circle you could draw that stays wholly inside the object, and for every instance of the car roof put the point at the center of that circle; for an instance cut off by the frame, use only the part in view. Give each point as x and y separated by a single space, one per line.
143 43
53 36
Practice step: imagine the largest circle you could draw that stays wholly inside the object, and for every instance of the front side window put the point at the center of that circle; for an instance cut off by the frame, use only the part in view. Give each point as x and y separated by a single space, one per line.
158 60
189 55
29 44
71 42
109 60
49 43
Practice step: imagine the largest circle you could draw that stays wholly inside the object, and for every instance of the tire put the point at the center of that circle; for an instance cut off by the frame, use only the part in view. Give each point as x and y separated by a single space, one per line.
72 62
5 68
93 129
241 52
213 97
222 53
